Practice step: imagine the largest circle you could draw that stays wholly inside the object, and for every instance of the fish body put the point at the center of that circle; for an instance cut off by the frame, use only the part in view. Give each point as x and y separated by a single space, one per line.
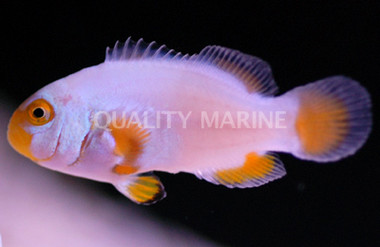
213 114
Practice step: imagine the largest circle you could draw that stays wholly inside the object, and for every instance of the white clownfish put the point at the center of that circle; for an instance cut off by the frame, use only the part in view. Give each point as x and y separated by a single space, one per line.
214 114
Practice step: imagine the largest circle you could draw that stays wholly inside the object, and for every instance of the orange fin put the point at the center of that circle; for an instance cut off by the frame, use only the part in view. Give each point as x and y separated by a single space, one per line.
130 139
142 189
256 170
334 118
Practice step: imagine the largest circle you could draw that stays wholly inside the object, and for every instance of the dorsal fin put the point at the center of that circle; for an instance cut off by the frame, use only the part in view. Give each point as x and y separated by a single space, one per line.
139 50
254 72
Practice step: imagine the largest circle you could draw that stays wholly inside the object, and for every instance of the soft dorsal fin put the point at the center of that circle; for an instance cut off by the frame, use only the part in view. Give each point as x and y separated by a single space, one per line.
139 50
252 71
256 170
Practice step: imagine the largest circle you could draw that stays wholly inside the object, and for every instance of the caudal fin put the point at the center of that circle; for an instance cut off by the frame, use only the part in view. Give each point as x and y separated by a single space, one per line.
334 118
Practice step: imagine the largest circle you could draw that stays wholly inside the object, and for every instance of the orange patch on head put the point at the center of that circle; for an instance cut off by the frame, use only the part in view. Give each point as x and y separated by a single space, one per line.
255 167
37 113
322 123
19 139
129 143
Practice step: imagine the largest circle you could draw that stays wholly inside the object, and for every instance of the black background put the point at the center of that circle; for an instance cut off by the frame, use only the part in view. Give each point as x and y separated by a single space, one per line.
333 204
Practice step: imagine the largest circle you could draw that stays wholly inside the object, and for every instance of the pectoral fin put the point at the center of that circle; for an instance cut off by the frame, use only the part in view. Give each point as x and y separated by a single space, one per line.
142 188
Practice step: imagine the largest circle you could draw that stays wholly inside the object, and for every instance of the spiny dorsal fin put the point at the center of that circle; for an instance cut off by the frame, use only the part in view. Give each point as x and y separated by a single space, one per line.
254 72
139 50
256 170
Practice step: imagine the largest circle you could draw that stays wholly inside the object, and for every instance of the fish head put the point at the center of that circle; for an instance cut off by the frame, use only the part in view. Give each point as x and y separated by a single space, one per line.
35 127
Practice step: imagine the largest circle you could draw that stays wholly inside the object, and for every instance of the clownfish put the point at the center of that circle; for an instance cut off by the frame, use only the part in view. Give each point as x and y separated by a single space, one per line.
214 114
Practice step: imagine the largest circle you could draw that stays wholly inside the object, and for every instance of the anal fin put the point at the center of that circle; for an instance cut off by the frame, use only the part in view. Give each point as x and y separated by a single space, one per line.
256 170
142 188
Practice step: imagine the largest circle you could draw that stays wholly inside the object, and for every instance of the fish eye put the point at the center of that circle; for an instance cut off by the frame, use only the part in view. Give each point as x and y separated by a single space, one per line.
40 112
